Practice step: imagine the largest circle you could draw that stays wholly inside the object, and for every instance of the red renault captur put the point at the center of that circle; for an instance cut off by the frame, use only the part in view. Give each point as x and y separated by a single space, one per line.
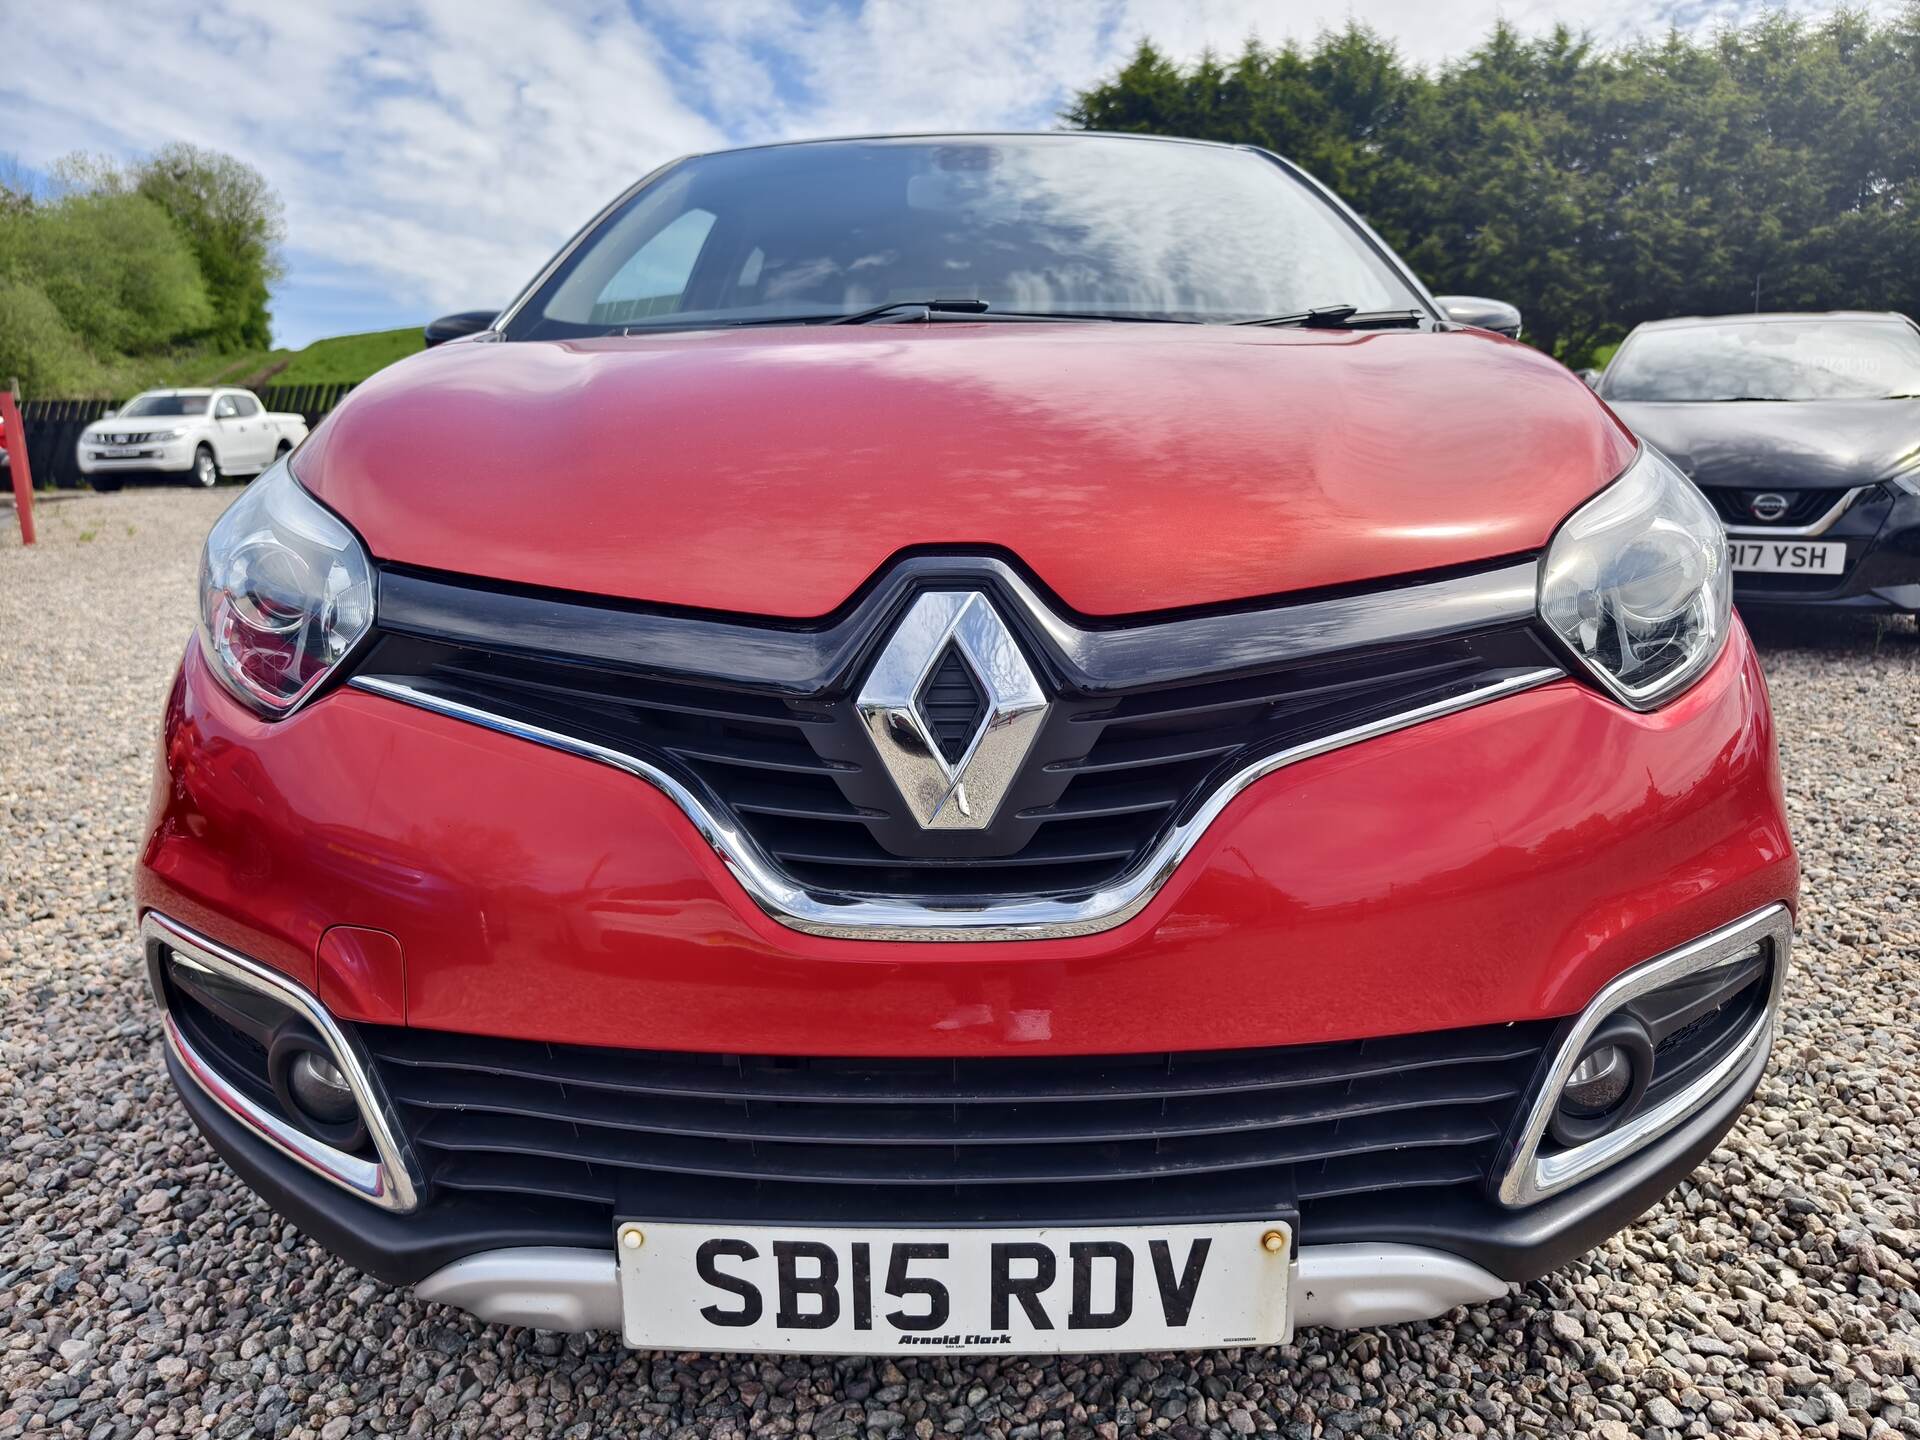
968 743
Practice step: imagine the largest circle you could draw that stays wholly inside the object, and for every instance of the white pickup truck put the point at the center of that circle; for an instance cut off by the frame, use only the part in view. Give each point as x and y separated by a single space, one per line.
196 434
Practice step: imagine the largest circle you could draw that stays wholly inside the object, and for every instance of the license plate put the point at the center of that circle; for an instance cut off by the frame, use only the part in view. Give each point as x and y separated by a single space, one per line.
1789 557
859 1291
117 452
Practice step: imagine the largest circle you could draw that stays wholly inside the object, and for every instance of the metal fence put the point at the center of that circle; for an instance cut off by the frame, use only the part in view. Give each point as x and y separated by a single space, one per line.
53 427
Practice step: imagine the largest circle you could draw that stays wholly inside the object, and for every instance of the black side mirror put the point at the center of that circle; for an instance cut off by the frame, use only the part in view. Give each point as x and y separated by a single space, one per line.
1482 313
453 327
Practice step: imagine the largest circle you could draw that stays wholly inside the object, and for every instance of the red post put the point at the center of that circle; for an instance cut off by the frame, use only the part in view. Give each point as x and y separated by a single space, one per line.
16 441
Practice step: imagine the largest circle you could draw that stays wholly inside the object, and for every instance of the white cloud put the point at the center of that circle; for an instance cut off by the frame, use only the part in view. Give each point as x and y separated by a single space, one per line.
440 149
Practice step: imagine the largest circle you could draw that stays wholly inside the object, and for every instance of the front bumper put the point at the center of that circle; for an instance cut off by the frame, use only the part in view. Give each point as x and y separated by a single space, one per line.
1881 530
168 458
1380 1263
1497 866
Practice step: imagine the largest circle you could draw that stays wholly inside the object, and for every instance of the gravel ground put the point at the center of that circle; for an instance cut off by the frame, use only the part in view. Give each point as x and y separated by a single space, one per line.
147 1293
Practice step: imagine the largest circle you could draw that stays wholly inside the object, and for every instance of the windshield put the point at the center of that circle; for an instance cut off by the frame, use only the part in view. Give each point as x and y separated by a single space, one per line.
1769 360
1055 225
166 405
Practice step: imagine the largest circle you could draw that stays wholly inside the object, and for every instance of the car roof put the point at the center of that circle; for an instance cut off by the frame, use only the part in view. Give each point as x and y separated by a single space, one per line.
1766 317
971 135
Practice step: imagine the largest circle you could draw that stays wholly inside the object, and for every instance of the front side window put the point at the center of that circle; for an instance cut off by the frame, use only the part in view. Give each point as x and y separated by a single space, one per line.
225 409
1071 226
1810 359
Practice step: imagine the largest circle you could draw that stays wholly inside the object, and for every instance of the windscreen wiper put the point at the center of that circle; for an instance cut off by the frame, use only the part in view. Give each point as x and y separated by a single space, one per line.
930 308
945 307
1343 317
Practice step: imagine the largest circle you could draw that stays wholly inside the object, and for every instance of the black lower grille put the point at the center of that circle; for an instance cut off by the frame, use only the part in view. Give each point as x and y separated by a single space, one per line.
734 1136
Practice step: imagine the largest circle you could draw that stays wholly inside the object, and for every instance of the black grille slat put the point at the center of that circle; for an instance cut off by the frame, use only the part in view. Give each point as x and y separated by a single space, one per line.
1218 700
935 1124
956 1082
549 1179
1017 1165
1208 1133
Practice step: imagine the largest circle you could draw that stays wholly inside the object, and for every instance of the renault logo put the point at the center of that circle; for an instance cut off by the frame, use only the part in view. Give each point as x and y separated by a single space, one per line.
1768 505
954 780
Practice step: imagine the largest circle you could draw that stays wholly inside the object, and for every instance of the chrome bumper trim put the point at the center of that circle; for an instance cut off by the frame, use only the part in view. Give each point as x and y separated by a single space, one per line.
1530 1176
1340 1286
387 1181
854 918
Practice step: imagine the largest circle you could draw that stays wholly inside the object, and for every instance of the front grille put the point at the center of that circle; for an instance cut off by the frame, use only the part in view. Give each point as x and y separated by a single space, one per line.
1221 1133
1803 506
1106 778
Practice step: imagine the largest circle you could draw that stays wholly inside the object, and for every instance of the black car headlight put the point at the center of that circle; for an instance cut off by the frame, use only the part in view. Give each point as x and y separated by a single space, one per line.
1636 583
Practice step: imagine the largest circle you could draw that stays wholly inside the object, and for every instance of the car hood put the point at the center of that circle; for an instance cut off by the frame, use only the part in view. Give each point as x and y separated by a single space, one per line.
1131 468
1782 445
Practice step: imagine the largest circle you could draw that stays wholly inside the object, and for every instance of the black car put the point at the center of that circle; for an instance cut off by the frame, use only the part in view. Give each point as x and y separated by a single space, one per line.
1804 432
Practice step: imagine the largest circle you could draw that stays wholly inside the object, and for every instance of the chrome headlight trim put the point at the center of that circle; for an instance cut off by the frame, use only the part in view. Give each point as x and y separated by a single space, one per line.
390 1181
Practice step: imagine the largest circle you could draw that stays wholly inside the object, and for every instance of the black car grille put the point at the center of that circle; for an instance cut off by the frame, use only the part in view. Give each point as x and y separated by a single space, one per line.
697 1136
1107 777
1803 506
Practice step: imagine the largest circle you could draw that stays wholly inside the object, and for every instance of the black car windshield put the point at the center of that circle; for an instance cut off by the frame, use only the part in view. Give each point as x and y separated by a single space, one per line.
1053 225
1810 359
167 405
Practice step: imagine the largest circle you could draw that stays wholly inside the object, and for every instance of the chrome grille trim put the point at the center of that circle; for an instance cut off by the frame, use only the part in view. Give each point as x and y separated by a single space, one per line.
1013 918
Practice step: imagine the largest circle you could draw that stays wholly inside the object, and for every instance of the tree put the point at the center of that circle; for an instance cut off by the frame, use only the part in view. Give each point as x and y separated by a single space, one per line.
235 224
1595 189
117 269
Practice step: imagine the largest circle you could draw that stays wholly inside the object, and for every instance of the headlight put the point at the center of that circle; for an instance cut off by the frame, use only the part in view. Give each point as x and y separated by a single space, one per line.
166 435
1637 585
285 592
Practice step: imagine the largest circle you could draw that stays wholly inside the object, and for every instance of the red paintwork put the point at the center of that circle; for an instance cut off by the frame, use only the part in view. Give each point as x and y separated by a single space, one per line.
13 439
1498 864
361 974
1133 467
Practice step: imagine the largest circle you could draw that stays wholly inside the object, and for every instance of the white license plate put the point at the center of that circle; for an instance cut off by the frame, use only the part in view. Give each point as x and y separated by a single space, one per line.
1789 557
857 1291
117 452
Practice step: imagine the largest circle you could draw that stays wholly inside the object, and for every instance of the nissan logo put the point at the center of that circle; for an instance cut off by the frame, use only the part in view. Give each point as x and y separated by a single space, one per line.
1768 505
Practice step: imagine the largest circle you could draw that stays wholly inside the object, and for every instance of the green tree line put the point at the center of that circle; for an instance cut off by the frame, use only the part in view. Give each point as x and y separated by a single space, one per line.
1777 163
110 266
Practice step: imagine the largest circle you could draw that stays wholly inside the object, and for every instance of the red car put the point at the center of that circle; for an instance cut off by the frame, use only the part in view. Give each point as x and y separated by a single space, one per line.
974 743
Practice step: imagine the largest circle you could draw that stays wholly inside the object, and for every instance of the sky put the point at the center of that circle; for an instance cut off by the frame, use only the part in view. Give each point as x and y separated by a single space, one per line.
433 153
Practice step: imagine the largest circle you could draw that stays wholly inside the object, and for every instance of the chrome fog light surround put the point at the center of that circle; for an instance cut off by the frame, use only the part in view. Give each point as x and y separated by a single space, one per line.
1529 1175
388 1181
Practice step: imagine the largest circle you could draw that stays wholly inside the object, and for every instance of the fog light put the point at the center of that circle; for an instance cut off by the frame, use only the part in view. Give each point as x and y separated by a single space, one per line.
1598 1083
320 1090
312 1089
1606 1084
